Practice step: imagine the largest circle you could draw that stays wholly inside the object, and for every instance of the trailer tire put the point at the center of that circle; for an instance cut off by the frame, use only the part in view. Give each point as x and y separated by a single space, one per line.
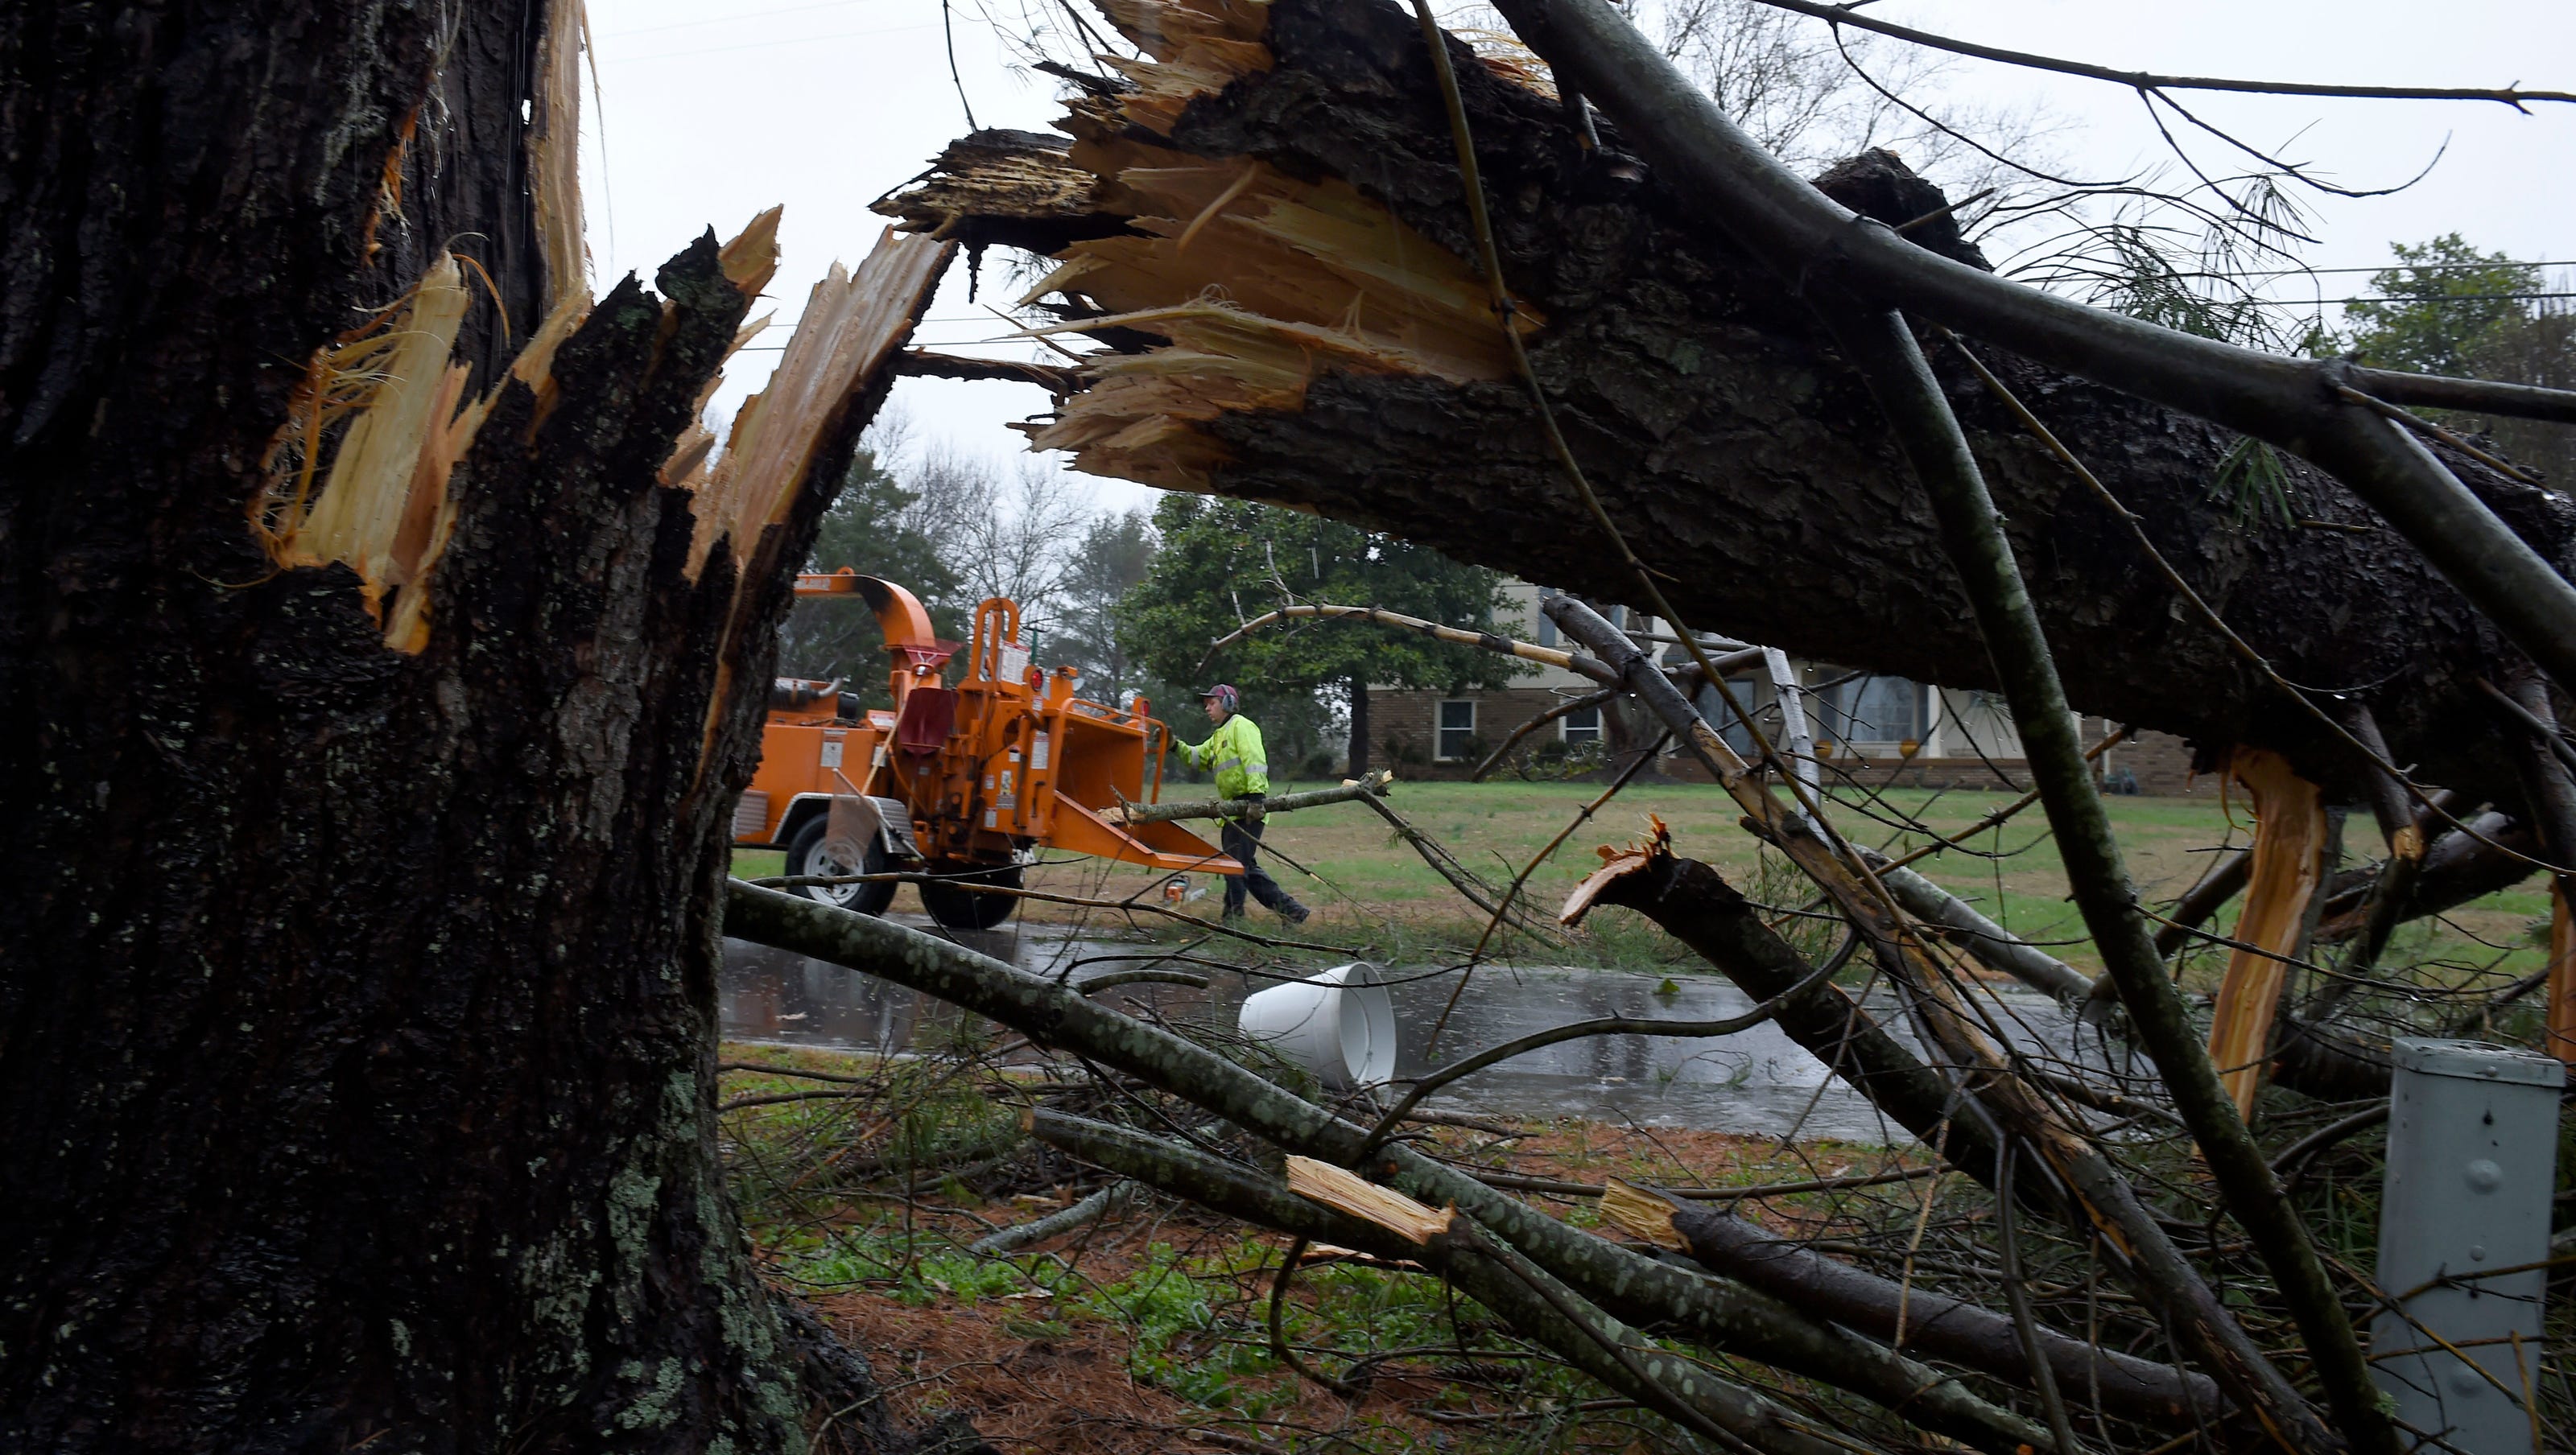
809 853
959 908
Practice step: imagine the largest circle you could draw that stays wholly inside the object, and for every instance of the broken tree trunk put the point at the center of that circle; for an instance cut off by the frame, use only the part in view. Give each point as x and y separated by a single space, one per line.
2289 839
368 736
1293 156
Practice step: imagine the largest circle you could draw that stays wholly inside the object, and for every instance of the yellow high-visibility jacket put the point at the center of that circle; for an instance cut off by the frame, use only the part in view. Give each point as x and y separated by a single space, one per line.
1235 751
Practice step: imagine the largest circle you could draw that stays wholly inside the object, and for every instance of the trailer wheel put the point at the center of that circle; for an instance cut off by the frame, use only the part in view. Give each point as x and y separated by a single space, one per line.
814 851
959 908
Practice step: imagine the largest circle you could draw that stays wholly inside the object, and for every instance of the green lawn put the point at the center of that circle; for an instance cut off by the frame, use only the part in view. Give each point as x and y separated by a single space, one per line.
1363 876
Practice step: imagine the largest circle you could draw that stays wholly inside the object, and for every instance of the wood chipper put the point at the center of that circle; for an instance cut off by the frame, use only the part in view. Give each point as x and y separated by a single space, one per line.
962 782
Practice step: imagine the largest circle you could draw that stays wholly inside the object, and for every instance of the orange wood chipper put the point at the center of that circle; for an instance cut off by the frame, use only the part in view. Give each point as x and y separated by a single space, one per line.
962 782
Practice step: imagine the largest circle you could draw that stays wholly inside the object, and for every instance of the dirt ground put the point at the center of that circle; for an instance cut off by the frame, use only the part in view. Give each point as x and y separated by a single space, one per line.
1149 1332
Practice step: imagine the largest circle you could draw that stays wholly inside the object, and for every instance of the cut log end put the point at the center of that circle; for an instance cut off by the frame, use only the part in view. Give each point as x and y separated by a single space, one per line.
1347 1192
1643 1215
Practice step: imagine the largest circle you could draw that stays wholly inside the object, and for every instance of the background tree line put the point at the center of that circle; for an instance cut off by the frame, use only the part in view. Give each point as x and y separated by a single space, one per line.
1132 599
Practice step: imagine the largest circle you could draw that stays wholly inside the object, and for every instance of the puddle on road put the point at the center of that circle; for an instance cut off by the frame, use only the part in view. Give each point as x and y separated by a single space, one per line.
1756 1082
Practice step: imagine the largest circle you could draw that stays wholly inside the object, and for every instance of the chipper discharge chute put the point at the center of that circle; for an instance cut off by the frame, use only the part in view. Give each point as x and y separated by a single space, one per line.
964 782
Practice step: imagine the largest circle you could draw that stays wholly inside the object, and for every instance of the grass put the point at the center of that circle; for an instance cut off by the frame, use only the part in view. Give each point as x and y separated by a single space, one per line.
1364 881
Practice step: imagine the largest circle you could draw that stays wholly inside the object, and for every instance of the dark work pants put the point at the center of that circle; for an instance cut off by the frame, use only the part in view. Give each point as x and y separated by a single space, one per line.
1243 841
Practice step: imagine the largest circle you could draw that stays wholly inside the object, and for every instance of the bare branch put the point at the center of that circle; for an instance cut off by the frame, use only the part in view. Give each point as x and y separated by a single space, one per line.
1527 652
1946 1327
1372 785
2152 81
1563 709
2438 391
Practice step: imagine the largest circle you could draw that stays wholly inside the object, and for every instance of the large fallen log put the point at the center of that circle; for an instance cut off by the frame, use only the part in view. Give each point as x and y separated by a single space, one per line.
1291 160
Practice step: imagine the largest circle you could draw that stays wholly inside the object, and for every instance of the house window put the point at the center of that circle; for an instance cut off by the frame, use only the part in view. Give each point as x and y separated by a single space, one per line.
1881 710
1457 730
1548 636
1712 705
1582 726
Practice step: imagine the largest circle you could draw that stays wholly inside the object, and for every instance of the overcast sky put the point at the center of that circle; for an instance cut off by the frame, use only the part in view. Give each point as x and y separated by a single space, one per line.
709 113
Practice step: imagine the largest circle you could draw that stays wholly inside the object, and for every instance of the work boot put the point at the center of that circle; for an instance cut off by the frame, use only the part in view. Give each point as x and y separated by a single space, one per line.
1294 913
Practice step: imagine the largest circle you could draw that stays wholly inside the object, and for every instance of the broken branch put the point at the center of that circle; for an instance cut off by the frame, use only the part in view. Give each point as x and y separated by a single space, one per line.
1526 651
1982 937
1370 785
1946 1328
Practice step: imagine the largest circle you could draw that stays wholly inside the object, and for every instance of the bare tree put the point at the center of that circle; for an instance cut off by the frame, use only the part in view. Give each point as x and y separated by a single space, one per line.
1812 98
1010 526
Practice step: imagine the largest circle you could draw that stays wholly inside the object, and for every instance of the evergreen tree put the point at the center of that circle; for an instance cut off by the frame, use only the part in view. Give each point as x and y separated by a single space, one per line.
2442 307
876 527
1223 562
1112 558
2455 310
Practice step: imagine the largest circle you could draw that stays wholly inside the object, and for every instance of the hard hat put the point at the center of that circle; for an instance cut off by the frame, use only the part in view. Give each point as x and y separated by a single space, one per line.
1224 693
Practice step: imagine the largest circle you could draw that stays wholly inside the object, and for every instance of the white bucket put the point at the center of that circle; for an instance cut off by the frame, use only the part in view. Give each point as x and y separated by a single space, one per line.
1339 1026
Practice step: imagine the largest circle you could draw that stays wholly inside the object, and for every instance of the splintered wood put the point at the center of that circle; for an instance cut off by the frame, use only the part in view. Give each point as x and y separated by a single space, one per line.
383 415
2289 843
1616 864
554 149
851 326
1640 1214
1349 1193
382 507
1257 280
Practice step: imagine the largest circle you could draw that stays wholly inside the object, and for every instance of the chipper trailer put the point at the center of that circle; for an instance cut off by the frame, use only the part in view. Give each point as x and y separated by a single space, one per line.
964 782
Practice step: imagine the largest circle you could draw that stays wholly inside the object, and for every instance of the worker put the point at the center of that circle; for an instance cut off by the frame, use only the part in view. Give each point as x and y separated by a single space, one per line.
1242 776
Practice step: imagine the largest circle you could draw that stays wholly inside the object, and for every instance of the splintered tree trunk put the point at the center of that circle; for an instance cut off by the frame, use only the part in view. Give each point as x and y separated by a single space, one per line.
2289 844
1274 214
357 1003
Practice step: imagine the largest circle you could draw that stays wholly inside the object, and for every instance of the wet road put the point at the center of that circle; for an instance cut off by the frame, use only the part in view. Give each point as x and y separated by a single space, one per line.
1756 1081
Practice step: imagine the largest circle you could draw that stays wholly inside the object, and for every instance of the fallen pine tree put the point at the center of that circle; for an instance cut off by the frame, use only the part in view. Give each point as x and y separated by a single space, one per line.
1291 160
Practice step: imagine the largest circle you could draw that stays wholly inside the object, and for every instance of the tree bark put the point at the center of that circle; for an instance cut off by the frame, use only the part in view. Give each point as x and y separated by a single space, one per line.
1734 448
1359 726
357 1007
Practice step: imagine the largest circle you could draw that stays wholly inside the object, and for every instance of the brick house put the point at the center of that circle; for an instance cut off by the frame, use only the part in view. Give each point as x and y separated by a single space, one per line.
1869 729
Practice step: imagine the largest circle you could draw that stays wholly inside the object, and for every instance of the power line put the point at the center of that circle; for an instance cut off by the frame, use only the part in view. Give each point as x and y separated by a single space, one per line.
2402 298
2404 268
